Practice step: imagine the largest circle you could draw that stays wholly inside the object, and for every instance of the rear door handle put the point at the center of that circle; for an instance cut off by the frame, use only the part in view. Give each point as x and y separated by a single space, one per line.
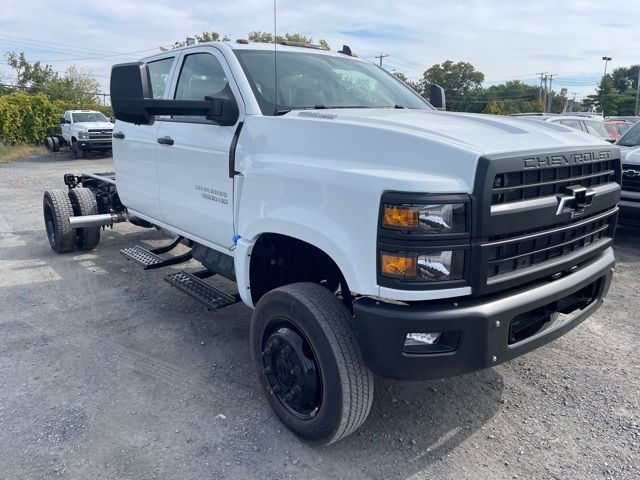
165 141
119 135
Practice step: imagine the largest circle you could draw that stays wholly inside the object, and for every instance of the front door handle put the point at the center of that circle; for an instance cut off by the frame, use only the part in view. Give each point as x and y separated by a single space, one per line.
119 135
165 141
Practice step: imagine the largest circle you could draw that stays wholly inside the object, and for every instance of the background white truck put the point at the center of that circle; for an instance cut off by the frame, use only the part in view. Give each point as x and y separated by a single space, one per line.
370 232
83 131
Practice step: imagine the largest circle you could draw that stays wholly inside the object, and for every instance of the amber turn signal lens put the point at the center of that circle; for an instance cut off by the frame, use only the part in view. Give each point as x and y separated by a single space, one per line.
398 266
400 217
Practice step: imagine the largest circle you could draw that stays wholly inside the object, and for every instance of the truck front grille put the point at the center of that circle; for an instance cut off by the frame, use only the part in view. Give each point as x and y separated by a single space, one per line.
100 134
631 178
525 249
527 184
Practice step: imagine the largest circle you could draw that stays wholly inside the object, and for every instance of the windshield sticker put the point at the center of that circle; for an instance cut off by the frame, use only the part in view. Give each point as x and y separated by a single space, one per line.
328 116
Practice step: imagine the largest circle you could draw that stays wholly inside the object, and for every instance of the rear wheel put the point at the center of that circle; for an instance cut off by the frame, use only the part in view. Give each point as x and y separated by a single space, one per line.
83 202
56 144
309 363
57 210
48 143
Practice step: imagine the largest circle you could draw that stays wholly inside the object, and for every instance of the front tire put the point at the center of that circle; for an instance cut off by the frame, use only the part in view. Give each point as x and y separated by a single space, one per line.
309 362
84 202
78 152
57 210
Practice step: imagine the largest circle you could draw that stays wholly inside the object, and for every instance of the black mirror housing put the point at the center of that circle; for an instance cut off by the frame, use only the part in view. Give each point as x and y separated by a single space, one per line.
63 120
437 97
131 99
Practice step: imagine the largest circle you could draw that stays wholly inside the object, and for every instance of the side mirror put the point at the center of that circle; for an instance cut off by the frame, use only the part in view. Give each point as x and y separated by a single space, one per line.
112 119
610 140
63 120
131 99
436 97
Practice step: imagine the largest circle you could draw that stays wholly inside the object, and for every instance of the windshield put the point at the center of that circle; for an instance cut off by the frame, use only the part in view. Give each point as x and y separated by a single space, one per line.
309 80
632 137
594 127
89 117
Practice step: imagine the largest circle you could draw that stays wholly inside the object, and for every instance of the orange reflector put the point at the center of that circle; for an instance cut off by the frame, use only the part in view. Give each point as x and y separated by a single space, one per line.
399 217
399 266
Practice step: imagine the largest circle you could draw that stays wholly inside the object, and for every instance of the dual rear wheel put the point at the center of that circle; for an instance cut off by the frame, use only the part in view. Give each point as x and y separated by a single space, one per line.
58 206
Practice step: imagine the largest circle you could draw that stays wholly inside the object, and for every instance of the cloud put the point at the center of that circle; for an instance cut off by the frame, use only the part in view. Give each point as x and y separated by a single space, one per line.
502 38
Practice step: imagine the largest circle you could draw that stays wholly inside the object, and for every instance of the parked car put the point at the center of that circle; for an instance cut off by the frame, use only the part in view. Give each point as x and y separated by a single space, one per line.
371 232
617 128
626 118
588 123
630 154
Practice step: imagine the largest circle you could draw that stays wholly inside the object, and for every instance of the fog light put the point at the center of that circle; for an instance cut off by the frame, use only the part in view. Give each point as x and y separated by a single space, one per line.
415 339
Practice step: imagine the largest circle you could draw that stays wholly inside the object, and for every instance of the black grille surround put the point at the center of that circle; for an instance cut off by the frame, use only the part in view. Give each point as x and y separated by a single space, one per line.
518 235
631 178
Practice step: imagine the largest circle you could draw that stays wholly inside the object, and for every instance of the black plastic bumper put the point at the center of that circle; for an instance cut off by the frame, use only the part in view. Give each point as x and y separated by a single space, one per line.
629 207
95 144
481 325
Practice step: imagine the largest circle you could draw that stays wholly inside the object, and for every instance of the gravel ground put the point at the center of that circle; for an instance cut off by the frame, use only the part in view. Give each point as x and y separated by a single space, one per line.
107 372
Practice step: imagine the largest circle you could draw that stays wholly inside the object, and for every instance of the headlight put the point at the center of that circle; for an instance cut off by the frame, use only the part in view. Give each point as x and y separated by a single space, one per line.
437 266
83 135
444 218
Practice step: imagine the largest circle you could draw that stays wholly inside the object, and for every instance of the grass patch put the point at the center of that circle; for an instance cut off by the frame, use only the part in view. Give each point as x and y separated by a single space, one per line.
11 153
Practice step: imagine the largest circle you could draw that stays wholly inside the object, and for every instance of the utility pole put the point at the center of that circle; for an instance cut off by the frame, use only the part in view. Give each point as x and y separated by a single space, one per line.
542 74
381 56
550 96
544 97
606 60
638 94
573 101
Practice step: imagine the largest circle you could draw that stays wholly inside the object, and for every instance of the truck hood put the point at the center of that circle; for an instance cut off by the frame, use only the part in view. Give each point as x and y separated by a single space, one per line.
630 155
485 134
94 125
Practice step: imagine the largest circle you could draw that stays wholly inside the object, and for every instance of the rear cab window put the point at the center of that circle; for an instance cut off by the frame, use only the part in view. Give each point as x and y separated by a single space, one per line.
159 71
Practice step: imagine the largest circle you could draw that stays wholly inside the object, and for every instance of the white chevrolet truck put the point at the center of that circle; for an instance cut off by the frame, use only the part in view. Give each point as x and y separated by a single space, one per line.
83 131
370 232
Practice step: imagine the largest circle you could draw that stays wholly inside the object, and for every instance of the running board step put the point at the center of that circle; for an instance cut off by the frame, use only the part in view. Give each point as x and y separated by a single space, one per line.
207 294
150 260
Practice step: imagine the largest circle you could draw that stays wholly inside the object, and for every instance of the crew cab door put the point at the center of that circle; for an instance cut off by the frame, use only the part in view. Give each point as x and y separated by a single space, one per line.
196 193
135 150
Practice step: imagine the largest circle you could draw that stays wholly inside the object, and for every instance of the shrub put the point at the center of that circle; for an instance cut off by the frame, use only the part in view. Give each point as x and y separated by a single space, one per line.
29 118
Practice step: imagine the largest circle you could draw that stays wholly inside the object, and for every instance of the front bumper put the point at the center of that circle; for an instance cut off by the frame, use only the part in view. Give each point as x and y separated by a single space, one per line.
629 207
483 325
97 144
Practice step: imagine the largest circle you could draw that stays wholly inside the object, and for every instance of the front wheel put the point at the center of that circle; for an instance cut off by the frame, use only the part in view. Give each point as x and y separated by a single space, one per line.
78 152
309 363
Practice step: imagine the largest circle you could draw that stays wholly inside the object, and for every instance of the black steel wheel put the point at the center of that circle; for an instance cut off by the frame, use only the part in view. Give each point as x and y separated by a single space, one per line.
309 363
83 202
57 209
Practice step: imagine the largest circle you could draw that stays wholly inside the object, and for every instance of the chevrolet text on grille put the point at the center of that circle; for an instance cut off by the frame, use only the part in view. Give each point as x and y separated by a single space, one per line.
561 159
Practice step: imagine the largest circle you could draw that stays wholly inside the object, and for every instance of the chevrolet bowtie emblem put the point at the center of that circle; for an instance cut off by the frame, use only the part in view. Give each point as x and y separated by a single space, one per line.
576 199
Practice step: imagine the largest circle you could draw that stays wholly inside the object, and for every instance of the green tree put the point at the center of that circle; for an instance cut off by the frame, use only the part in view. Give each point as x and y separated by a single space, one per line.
266 37
205 36
72 86
625 78
415 85
457 79
493 108
605 99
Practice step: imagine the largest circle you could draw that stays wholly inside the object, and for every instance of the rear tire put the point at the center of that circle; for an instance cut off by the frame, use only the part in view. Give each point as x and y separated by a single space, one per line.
83 202
56 144
309 363
57 210
48 143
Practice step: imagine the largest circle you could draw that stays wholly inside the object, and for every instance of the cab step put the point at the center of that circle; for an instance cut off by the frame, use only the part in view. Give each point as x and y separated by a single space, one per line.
150 259
193 286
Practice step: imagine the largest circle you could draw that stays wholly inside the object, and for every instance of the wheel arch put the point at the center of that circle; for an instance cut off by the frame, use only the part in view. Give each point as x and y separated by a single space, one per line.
316 253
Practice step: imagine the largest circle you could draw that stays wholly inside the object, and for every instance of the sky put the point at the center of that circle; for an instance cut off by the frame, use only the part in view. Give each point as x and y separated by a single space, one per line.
504 39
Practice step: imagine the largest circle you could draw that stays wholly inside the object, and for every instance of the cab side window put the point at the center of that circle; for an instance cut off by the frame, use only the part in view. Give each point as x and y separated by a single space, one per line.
159 74
201 76
67 117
